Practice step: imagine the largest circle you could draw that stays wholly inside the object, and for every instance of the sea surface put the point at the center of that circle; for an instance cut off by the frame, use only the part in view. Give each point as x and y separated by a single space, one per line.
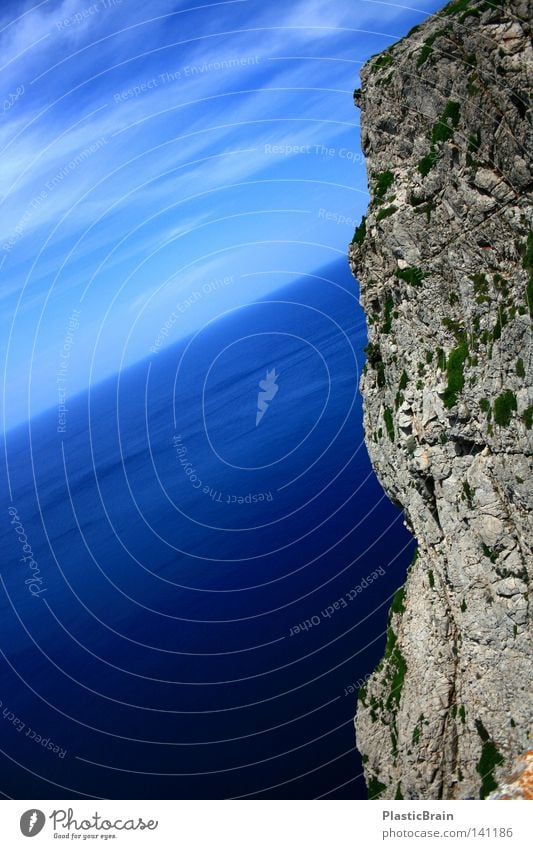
190 596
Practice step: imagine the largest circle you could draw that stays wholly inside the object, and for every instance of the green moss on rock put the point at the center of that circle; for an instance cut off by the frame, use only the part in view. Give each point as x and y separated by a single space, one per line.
375 787
389 425
455 373
504 407
360 232
490 758
384 181
411 275
397 605
428 161
443 128
386 212
382 62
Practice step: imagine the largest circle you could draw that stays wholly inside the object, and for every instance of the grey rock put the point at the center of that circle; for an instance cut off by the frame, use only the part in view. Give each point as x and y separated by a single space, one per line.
443 272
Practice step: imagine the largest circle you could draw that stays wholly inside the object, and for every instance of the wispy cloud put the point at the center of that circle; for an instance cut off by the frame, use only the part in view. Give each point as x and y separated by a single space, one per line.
133 127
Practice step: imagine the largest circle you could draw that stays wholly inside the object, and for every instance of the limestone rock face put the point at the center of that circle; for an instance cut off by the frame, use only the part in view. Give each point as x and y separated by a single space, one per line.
444 260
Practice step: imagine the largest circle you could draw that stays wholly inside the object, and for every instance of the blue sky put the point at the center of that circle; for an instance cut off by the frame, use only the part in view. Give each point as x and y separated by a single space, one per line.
163 162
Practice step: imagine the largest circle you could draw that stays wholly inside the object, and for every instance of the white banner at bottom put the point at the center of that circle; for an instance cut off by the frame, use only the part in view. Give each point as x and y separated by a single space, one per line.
265 824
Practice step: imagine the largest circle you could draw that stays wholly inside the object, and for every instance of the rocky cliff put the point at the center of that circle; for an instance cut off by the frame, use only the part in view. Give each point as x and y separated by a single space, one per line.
445 263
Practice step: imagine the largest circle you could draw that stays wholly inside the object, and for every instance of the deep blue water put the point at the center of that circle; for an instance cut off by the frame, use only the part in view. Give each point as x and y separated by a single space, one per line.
177 545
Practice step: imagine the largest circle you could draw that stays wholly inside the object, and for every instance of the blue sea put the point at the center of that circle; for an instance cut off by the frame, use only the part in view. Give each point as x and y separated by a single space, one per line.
192 592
